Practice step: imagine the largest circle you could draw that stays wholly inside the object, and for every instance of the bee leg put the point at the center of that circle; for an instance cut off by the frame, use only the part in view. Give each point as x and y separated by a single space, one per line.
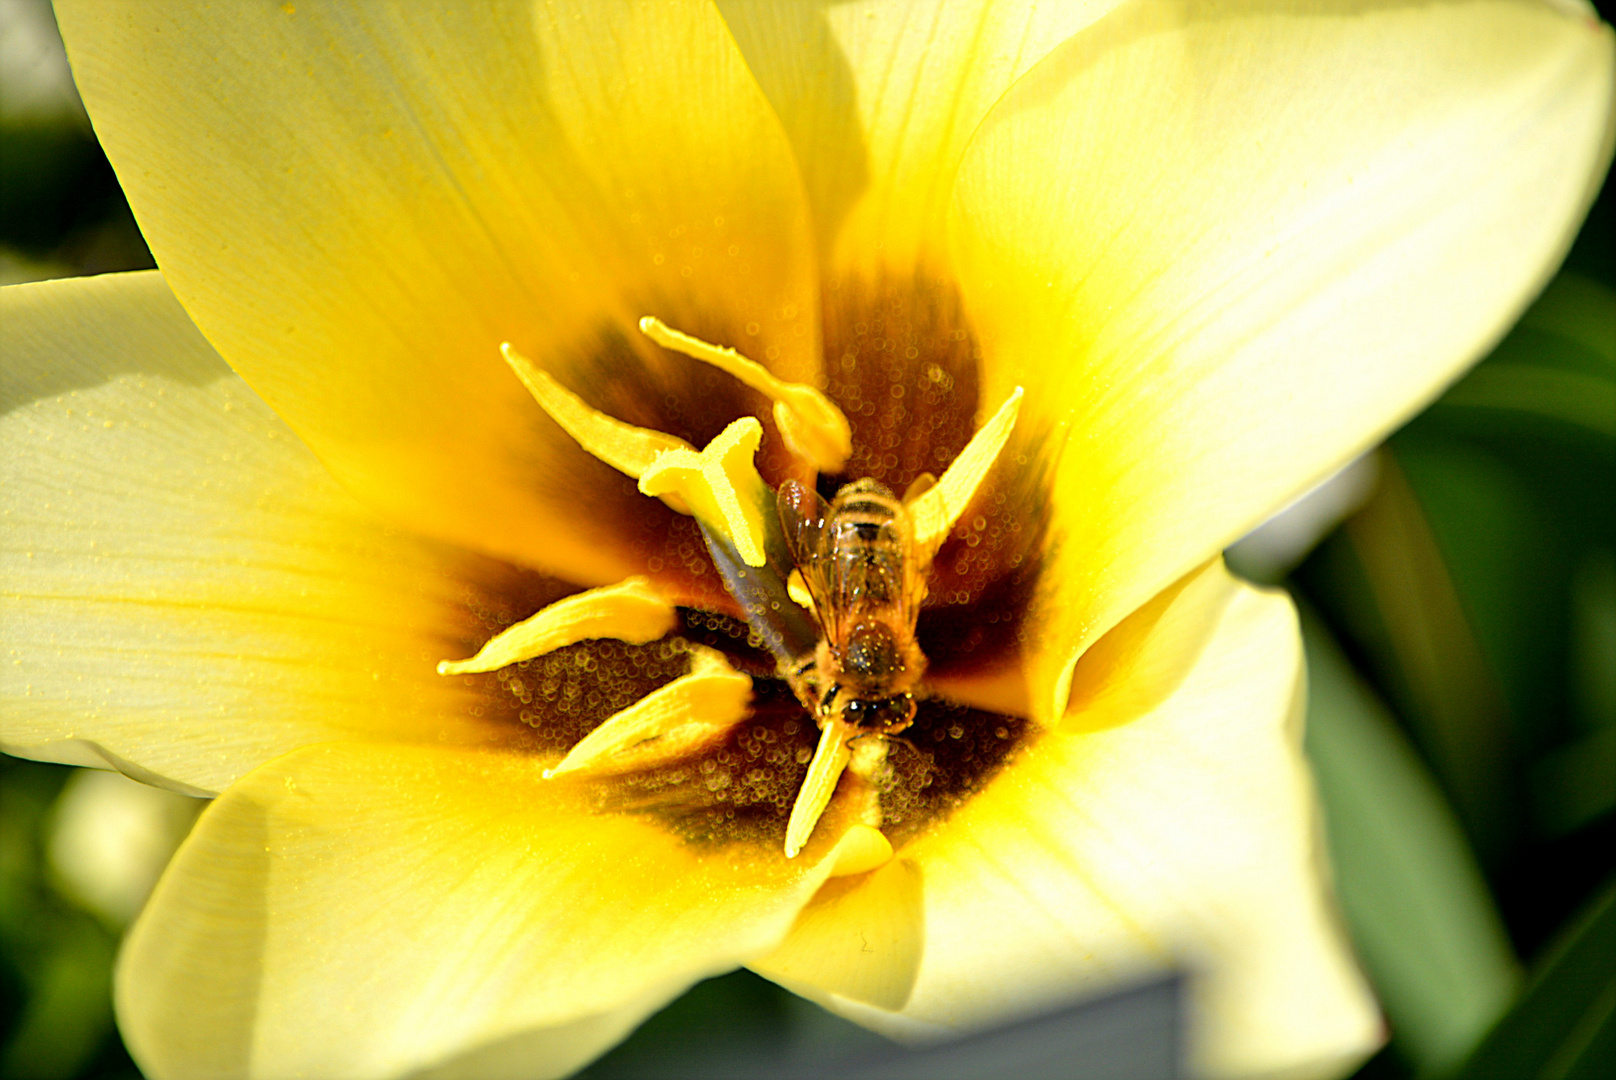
899 739
827 704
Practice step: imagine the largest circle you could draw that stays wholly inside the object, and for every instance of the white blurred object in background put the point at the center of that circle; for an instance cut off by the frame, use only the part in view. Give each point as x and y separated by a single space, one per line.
109 839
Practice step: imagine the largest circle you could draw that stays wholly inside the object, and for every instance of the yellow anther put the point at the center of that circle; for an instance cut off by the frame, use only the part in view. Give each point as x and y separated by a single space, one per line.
668 723
830 758
631 611
936 508
624 447
813 428
721 486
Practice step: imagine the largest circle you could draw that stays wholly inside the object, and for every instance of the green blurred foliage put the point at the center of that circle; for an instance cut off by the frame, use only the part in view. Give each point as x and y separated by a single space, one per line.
1419 910
738 1024
55 958
1471 606
1564 1025
61 211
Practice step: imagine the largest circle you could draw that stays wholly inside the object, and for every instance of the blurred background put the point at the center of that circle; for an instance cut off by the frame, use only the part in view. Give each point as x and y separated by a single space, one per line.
1459 597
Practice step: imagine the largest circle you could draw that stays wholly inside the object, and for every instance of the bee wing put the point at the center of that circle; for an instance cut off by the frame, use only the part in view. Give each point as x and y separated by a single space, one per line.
802 518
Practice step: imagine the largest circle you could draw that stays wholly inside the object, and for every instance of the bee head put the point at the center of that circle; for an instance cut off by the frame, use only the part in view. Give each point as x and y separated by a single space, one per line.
886 715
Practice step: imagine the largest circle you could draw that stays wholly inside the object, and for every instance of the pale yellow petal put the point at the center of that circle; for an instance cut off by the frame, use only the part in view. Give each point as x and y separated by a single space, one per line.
860 939
187 592
368 911
862 848
357 205
880 99
1168 821
1227 247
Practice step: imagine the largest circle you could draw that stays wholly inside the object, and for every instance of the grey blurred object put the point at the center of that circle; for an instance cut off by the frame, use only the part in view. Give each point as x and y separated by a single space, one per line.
1136 1034
1275 548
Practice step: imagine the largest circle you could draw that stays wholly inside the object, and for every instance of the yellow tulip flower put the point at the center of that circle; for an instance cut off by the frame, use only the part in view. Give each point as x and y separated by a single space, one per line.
255 499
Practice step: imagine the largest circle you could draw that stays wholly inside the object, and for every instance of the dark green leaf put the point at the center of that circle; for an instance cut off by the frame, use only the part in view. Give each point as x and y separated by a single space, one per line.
1564 1026
1420 913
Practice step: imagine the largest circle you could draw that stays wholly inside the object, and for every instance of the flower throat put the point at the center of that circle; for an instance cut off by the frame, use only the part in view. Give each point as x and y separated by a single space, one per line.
823 674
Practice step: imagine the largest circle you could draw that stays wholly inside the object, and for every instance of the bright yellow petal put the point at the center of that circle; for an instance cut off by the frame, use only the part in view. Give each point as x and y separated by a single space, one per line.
187 592
1229 246
358 205
860 940
880 99
366 911
1169 820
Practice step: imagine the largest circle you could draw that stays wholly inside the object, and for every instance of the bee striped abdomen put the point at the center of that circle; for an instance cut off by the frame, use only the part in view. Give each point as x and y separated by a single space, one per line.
856 555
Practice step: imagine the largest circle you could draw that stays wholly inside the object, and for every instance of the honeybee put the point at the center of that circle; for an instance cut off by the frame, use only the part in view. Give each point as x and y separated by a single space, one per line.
857 558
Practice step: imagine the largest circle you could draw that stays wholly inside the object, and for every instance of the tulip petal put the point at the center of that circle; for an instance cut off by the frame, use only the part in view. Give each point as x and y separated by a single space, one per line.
1169 820
187 592
1233 245
869 954
880 100
366 911
357 206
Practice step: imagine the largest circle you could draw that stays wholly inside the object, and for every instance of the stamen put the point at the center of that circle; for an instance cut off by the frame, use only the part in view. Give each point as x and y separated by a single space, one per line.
813 428
937 508
631 611
918 487
830 758
668 723
624 447
721 486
